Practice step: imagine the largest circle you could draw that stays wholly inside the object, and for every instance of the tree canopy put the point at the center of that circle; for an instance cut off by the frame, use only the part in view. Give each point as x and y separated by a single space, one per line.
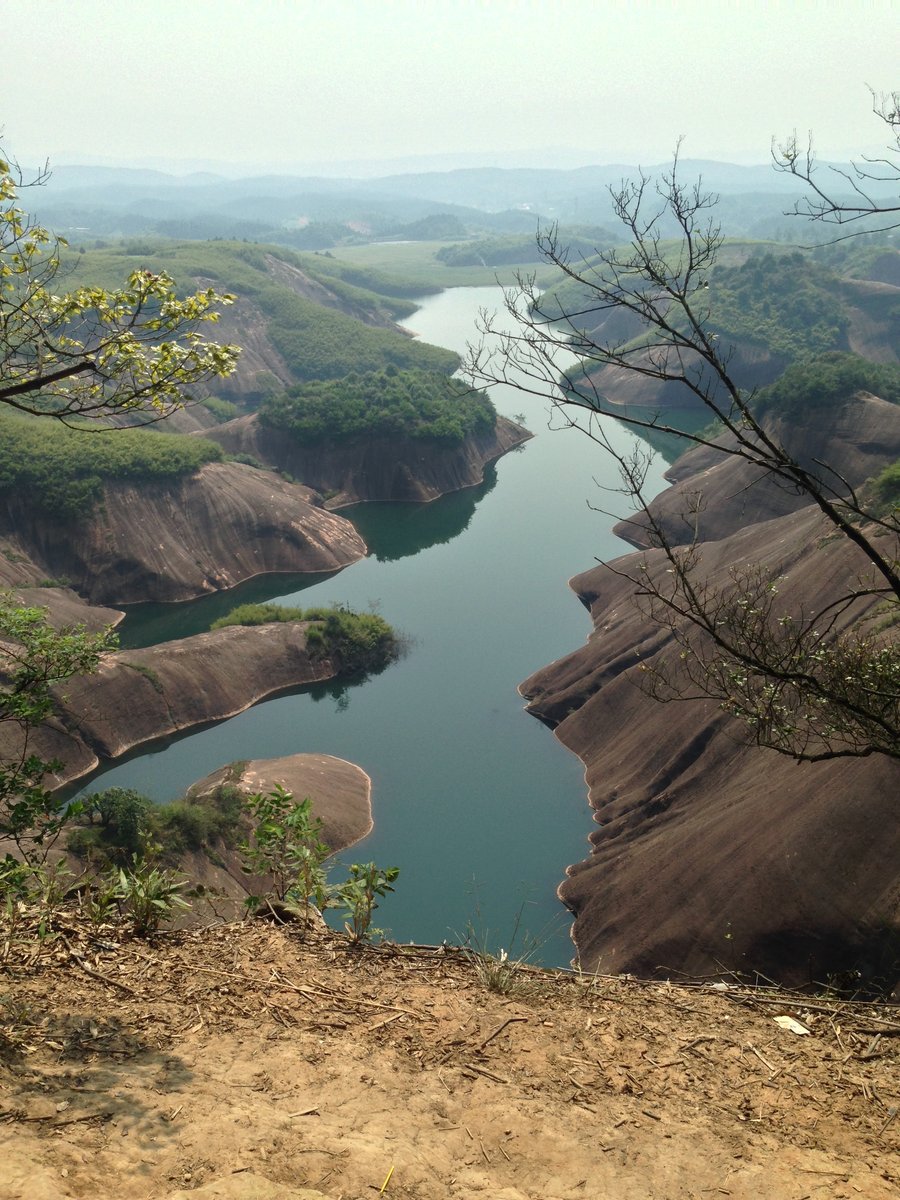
388 403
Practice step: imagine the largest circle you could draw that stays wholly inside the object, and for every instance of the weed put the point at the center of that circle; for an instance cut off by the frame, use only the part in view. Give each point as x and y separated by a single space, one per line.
149 674
502 972
357 897
99 899
150 895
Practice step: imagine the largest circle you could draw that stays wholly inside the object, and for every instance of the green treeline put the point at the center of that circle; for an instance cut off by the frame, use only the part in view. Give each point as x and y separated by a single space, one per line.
63 470
823 383
521 248
786 303
388 403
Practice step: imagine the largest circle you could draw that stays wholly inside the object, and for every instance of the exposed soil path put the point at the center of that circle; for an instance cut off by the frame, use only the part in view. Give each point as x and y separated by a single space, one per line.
244 1061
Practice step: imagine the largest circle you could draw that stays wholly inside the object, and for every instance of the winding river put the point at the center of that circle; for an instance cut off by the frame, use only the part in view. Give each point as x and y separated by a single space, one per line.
475 801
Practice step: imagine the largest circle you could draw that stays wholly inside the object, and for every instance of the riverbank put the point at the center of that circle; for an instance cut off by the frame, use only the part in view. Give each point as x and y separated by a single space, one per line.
139 697
477 804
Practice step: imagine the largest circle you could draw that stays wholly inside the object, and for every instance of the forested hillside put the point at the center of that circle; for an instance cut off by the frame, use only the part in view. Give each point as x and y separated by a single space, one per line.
772 306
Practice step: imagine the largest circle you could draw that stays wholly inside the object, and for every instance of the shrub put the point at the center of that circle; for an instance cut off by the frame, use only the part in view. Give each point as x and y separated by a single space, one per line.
825 382
357 641
286 845
149 895
125 818
357 897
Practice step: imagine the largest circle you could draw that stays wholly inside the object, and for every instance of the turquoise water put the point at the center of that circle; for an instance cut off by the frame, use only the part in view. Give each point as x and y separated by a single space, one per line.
475 801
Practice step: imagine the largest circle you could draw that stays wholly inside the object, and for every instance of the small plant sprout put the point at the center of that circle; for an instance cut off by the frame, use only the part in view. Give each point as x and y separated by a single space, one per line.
150 895
357 898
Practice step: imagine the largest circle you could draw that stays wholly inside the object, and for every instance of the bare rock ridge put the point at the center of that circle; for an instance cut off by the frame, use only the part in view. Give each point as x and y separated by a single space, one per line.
710 854
403 469
179 540
715 495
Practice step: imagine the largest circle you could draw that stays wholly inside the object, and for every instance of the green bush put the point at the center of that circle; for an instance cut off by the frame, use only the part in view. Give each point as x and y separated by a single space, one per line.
887 485
222 410
784 302
124 816
388 403
827 381
357 641
182 826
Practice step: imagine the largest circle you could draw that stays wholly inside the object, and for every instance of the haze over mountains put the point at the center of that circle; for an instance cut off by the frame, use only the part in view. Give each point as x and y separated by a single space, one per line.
104 200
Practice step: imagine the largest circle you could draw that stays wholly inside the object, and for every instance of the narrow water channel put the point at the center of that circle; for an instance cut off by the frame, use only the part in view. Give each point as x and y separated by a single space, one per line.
476 802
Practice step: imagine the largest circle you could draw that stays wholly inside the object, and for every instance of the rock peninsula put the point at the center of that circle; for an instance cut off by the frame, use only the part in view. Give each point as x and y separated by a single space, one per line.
370 469
139 696
178 540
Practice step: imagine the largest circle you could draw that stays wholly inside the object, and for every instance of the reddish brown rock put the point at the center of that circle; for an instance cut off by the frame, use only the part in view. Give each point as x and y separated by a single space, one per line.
138 696
177 540
710 854
411 469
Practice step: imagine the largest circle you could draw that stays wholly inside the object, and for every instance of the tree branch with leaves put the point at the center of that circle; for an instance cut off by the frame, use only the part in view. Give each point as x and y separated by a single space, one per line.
93 353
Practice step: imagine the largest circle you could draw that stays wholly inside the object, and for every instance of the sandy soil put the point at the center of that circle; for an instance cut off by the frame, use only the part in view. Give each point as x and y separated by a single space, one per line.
248 1062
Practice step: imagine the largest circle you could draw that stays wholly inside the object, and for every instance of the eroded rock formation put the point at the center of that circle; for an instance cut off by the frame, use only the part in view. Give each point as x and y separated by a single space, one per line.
711 854
375 468
139 696
180 539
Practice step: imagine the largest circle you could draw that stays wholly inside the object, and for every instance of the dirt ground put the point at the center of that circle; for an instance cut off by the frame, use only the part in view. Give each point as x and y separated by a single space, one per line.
248 1062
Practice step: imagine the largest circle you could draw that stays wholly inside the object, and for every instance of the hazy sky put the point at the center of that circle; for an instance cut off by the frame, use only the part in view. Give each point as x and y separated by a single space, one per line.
281 83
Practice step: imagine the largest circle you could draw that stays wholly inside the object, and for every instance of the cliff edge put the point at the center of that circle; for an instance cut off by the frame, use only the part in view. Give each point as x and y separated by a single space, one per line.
711 854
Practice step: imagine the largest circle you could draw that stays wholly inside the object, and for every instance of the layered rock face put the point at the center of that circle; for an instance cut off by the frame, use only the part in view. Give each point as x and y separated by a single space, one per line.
178 540
403 469
711 854
139 696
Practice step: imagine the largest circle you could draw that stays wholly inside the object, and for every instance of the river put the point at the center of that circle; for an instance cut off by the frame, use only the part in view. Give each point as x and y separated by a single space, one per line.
476 802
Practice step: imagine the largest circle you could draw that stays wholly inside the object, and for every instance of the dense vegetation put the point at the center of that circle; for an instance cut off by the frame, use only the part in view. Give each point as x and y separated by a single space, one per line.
62 470
316 342
390 403
358 641
786 303
825 382
319 343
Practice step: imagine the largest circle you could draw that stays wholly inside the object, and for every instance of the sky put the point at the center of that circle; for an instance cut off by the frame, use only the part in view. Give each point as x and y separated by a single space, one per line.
332 84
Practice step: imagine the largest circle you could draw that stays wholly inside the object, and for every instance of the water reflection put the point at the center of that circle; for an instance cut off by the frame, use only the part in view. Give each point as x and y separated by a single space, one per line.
150 624
395 531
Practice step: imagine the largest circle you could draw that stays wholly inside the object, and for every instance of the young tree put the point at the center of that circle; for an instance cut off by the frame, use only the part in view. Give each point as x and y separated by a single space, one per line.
800 687
34 657
89 352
